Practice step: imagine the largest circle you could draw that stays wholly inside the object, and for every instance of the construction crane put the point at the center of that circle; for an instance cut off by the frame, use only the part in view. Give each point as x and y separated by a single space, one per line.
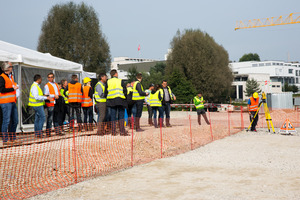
292 18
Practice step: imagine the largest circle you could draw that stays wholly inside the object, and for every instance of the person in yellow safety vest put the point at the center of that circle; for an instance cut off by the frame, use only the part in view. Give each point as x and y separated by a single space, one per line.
64 84
199 104
155 100
74 98
253 104
87 104
138 97
8 99
37 102
168 99
100 103
116 101
147 101
51 89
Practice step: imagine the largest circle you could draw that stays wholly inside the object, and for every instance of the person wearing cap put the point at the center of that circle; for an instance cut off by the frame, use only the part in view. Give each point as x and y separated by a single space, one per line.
87 104
147 101
199 104
8 99
253 104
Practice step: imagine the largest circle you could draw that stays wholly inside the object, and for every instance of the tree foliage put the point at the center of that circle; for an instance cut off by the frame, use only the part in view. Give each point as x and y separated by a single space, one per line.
250 57
290 88
251 87
181 87
72 32
201 61
132 72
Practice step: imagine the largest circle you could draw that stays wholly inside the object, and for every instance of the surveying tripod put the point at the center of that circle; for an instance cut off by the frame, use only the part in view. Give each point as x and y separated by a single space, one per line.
267 113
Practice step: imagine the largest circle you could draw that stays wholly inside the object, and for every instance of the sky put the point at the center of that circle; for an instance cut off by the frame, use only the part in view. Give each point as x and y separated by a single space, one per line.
153 24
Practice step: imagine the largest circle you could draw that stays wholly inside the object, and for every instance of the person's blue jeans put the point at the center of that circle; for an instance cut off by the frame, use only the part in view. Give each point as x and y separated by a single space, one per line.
160 112
39 120
167 109
87 113
113 117
10 121
138 108
50 117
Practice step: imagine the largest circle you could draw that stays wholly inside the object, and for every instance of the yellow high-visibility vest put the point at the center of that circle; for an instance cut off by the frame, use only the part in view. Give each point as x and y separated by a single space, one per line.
135 95
114 88
154 100
32 101
96 94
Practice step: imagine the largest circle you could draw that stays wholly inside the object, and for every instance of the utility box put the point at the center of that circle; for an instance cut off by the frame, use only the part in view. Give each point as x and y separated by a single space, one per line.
280 100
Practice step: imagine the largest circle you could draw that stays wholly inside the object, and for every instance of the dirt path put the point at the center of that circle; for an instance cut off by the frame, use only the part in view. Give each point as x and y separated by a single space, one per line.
244 166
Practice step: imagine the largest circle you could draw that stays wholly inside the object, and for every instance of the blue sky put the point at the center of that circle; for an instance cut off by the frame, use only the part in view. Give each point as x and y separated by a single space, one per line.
153 24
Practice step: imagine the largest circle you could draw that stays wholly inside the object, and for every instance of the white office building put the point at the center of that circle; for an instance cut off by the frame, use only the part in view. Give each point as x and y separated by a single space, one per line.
271 75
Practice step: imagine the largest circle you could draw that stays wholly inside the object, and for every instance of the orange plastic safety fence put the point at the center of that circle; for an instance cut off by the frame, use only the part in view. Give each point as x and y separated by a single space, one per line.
80 152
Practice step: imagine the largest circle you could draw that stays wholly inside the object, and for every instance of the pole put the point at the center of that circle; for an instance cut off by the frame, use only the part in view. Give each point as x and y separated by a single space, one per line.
211 134
74 154
191 132
242 119
228 120
132 127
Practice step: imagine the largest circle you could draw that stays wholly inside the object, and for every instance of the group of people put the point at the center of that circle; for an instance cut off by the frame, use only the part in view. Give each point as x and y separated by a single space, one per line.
112 98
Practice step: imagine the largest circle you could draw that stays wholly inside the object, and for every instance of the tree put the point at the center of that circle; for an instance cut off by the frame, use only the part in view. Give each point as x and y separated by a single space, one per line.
132 72
290 88
181 87
73 32
251 87
201 61
250 57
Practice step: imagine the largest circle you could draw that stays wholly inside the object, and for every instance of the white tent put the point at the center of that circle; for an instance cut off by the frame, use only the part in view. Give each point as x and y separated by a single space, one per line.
27 63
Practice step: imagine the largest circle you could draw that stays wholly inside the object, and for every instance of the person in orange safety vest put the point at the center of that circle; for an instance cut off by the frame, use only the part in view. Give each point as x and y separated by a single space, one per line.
253 105
87 104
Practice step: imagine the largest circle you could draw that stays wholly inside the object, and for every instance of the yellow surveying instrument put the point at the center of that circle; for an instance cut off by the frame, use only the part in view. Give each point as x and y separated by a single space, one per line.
267 113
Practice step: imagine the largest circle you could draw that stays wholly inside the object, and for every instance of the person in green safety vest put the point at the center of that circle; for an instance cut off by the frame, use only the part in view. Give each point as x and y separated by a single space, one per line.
64 84
37 102
147 101
199 104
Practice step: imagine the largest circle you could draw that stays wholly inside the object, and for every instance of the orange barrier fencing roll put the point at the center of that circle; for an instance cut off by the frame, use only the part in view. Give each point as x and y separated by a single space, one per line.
80 152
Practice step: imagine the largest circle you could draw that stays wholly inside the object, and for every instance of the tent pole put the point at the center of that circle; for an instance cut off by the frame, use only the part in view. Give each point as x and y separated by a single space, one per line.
20 97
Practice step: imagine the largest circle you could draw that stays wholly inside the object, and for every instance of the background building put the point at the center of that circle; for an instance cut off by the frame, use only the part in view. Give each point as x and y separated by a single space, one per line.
271 75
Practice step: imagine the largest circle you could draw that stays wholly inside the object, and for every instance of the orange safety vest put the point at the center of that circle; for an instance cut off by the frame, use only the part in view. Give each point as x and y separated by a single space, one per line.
254 104
8 97
51 91
75 94
86 100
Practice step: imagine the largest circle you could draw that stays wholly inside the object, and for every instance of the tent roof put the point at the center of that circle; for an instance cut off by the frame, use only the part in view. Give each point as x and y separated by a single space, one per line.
18 54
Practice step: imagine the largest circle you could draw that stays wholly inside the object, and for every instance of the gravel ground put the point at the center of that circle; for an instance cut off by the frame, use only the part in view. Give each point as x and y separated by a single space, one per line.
243 166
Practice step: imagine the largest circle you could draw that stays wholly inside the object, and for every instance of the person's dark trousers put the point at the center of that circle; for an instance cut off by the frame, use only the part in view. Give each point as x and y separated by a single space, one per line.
58 122
113 113
138 114
66 112
9 122
1 119
87 114
167 110
149 108
129 113
39 120
254 123
75 107
101 109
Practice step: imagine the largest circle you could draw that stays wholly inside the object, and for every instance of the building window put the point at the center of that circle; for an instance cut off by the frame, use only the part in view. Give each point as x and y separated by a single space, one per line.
268 64
297 81
290 71
254 65
273 85
278 85
236 79
281 64
261 64
244 78
273 63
